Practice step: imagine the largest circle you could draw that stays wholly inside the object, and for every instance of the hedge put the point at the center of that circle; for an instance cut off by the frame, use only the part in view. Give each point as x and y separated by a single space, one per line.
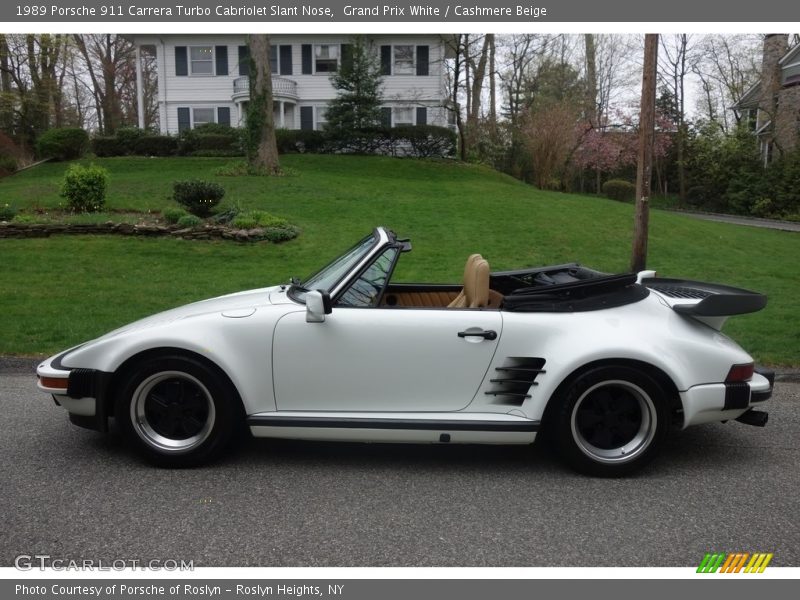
67 143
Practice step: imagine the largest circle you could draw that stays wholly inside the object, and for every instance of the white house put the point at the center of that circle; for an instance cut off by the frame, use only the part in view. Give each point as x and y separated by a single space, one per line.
204 78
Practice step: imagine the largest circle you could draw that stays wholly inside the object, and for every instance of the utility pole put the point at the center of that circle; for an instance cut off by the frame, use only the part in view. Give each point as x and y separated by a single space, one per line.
644 170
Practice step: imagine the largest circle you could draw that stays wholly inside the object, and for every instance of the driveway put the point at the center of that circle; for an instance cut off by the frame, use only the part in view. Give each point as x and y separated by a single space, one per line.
76 494
748 221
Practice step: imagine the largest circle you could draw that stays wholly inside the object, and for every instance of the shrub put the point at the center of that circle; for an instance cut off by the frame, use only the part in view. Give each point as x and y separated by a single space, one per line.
173 214
62 144
8 164
7 212
127 137
85 187
618 189
214 129
210 137
197 196
105 145
216 153
423 141
155 145
281 234
257 218
290 141
187 221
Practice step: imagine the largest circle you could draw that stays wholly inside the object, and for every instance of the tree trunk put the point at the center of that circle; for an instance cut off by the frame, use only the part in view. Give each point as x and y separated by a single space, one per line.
590 101
262 151
6 101
492 85
644 168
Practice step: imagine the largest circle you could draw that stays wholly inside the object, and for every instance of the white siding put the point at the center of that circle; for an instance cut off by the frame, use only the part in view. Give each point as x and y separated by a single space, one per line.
313 90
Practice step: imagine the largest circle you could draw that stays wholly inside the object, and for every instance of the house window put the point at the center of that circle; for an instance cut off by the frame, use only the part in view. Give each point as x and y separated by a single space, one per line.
202 60
403 115
326 58
321 120
201 116
403 60
280 60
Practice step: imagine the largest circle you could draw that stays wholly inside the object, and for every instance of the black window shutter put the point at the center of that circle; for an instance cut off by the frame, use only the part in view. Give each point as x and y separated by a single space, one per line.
224 115
244 61
184 119
306 51
386 117
286 60
181 61
221 54
422 115
386 60
347 56
306 117
423 59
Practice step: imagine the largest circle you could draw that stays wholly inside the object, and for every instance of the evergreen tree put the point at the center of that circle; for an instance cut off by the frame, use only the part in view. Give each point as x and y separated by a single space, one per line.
358 81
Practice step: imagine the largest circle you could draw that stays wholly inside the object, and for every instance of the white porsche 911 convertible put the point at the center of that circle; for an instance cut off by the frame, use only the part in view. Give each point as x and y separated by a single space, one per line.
602 365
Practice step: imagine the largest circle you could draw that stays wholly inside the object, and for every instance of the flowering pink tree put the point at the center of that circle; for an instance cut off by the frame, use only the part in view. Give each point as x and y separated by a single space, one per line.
614 145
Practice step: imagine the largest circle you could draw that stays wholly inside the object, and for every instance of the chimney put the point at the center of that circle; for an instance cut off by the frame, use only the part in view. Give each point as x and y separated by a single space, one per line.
776 45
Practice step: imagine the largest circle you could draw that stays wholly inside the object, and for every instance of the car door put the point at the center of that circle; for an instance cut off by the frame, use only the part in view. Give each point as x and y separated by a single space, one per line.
371 359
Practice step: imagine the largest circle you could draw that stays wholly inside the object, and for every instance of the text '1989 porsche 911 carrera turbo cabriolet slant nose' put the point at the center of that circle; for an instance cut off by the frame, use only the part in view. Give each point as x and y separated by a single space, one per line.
602 365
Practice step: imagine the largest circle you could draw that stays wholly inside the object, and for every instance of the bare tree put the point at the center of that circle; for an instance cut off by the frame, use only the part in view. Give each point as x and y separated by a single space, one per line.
262 151
674 65
33 71
109 61
726 65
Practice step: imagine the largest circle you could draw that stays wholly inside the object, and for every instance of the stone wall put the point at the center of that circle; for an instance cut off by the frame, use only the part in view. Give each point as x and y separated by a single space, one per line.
26 230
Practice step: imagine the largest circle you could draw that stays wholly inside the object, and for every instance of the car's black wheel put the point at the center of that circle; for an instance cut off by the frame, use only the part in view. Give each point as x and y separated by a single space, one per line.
176 411
612 421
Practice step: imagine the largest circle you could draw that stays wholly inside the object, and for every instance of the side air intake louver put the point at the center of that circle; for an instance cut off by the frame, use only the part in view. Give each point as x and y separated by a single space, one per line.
513 379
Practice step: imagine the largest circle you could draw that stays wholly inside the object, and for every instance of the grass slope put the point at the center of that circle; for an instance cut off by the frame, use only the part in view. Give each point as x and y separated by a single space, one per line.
60 291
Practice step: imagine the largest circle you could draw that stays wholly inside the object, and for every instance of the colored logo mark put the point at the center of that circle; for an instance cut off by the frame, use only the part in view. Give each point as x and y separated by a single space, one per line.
738 562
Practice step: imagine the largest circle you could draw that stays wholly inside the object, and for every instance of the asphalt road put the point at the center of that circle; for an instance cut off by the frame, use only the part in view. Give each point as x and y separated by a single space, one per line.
76 494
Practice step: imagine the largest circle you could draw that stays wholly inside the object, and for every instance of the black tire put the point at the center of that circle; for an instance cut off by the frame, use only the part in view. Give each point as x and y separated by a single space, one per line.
611 422
177 412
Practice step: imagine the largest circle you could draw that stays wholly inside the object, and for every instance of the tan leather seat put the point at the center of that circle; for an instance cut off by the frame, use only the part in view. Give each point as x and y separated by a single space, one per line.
476 284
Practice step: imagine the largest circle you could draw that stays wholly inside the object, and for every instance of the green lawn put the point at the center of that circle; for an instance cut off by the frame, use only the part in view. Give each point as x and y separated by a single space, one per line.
59 291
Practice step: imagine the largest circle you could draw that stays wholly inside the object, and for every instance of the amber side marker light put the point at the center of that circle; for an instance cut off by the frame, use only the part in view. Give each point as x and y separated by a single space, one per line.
54 382
740 373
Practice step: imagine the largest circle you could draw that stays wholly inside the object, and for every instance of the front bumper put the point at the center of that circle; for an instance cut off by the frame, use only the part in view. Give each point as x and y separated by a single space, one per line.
80 391
709 403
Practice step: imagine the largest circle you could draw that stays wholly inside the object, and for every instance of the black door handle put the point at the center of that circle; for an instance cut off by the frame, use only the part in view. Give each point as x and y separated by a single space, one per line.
487 335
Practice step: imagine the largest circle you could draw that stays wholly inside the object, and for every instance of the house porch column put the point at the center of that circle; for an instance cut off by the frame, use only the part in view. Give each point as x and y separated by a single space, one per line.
139 87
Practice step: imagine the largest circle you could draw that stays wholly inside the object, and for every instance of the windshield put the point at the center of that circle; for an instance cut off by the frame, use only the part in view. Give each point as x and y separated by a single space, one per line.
326 278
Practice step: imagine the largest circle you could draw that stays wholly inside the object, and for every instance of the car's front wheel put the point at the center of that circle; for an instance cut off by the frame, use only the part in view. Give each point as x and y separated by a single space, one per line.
176 411
612 421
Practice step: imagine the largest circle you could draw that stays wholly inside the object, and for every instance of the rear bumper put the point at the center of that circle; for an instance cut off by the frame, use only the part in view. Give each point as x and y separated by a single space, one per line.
713 402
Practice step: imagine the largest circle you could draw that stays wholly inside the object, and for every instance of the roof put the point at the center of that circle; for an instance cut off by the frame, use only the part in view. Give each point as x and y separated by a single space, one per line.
750 98
791 56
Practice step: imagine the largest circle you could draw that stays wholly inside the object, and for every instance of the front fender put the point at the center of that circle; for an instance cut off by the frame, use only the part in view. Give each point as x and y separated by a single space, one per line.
241 348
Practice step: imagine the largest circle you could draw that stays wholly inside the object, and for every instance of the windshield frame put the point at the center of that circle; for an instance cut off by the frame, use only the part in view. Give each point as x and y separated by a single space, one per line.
380 238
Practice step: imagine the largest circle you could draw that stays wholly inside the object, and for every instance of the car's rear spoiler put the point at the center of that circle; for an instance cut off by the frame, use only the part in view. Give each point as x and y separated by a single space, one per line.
711 303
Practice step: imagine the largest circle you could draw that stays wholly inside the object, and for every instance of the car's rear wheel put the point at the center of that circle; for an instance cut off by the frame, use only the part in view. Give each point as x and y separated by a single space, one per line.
176 411
612 421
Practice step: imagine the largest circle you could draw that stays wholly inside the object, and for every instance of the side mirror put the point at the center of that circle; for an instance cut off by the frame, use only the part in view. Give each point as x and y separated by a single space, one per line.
318 304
